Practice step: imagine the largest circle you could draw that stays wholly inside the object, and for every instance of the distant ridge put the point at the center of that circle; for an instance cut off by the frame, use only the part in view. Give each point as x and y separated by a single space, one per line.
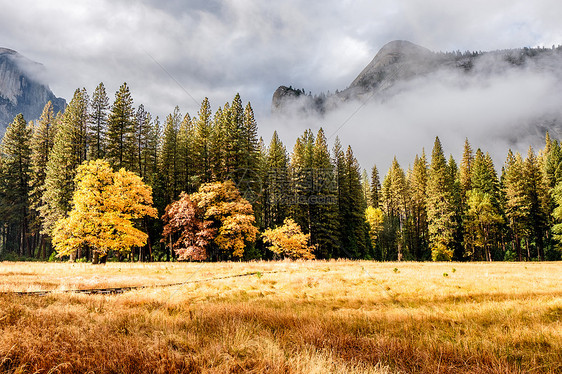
23 88
400 61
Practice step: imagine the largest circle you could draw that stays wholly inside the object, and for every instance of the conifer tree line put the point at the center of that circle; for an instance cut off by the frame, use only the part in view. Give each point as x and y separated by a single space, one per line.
434 210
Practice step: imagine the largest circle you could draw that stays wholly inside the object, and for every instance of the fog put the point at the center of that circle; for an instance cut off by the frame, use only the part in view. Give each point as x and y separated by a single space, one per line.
496 106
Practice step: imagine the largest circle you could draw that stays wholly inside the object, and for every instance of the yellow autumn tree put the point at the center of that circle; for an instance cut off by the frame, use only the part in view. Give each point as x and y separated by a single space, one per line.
104 205
375 219
289 241
215 220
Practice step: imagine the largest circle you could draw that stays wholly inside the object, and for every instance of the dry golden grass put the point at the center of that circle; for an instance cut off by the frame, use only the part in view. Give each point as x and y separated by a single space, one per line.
291 317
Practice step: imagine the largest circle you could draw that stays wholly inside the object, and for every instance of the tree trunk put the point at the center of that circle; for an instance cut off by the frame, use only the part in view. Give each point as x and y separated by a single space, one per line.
518 248
148 239
96 258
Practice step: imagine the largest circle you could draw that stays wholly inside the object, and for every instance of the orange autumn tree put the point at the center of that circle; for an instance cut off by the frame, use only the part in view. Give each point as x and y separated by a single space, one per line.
289 241
104 206
214 220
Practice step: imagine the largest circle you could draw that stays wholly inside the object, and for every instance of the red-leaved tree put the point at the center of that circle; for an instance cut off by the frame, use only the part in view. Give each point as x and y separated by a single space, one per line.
216 218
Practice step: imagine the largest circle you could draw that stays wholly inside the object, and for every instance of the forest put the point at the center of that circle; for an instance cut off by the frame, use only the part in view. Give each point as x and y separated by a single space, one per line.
436 209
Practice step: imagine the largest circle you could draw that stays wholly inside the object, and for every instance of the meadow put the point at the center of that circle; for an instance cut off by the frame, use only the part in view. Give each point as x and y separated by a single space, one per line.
283 317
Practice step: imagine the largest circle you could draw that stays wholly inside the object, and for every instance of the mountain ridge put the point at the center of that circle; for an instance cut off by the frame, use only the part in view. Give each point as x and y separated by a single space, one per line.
400 61
23 88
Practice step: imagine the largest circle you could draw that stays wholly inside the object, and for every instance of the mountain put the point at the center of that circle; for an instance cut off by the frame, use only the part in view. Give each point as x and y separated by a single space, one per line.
400 62
23 88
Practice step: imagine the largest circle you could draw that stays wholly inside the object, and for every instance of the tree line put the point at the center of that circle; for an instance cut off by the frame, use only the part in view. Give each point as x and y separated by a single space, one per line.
434 210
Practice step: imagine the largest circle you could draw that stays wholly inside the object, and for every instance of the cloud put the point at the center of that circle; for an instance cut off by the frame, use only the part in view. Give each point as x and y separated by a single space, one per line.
496 107
215 48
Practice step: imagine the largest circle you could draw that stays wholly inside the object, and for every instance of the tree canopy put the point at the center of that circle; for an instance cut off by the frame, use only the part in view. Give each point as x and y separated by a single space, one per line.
214 221
105 205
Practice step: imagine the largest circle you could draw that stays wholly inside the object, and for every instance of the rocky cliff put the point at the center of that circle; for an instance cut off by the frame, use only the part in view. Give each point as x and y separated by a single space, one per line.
23 88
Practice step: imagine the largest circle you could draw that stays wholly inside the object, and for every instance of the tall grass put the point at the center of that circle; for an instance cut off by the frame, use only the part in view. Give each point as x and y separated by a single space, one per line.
308 317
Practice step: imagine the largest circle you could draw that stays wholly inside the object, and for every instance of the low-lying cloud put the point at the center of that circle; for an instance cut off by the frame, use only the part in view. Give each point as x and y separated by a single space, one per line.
495 107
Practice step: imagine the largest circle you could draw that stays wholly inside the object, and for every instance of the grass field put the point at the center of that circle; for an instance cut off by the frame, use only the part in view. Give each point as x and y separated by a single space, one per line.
289 317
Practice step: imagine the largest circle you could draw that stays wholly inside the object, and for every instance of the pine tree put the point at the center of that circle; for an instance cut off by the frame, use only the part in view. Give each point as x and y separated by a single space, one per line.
342 193
185 155
42 141
234 140
417 185
517 202
375 187
248 179
202 143
141 132
15 152
482 214
276 183
41 144
354 236
302 179
323 208
217 144
440 208
120 150
538 196
466 169
552 162
168 160
67 154
365 186
98 123
394 205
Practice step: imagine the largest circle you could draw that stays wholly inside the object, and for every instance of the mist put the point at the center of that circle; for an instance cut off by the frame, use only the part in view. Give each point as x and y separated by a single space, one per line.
496 106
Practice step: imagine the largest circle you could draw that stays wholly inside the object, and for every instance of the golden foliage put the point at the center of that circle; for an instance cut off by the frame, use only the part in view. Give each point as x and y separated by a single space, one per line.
104 205
289 241
375 219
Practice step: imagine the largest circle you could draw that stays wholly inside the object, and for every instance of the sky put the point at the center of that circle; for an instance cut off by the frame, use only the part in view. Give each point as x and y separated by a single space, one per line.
178 52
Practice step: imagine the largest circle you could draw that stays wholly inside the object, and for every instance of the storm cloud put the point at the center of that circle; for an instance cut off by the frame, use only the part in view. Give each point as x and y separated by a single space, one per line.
178 52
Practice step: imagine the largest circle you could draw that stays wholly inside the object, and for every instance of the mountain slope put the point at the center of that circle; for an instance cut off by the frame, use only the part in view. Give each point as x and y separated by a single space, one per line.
400 62
22 88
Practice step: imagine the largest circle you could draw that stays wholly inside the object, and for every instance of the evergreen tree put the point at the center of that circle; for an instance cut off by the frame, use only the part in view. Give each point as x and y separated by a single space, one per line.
98 123
141 133
538 196
440 207
202 143
42 141
168 164
248 181
365 186
234 140
466 170
342 193
354 235
552 162
302 179
323 208
276 183
417 186
67 154
217 144
375 187
15 152
394 204
517 202
120 149
185 155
